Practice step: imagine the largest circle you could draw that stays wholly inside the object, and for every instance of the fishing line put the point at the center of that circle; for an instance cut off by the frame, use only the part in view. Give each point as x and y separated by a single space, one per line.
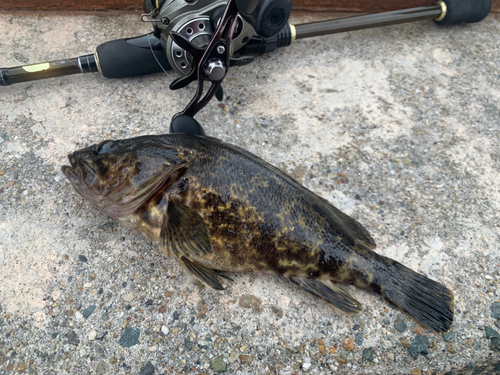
158 62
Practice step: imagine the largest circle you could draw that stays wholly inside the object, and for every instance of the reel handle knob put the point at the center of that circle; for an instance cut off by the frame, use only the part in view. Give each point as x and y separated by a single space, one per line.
456 11
186 124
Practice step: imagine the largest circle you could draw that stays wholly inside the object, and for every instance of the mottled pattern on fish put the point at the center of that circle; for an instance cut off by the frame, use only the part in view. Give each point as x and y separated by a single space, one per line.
216 207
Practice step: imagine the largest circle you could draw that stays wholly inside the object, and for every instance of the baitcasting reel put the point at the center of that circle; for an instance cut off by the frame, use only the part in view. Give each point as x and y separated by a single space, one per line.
197 20
201 37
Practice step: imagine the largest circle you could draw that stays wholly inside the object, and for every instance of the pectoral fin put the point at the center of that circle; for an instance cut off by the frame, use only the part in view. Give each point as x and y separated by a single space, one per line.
184 232
185 235
325 289
206 275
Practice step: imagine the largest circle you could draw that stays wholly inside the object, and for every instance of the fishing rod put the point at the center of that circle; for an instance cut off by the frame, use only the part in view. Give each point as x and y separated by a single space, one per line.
202 39
147 54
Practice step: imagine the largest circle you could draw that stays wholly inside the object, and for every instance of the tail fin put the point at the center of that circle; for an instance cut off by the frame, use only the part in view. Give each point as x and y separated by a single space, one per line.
429 302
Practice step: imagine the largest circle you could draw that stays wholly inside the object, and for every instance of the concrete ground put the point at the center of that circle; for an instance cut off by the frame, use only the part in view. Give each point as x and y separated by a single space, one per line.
397 126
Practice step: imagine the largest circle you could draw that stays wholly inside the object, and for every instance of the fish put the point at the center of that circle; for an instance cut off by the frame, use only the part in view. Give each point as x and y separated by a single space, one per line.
217 208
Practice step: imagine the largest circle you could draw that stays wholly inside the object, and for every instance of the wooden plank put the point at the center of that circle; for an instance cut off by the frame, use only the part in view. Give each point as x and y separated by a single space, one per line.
367 6
65 5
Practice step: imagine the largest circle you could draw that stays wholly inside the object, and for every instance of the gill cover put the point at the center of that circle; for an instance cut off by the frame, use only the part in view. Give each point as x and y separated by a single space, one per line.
119 176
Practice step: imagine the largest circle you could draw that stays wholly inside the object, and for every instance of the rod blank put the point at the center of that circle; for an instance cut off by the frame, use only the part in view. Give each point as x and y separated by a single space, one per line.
308 30
18 74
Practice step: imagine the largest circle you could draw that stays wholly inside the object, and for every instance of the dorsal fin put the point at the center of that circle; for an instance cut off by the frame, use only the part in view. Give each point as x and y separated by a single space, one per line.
352 228
346 224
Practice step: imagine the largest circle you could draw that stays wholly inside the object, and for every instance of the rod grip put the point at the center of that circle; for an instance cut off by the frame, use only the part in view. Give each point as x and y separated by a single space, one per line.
458 11
132 57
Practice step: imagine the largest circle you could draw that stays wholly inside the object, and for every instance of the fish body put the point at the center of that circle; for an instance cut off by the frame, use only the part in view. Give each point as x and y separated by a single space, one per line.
217 208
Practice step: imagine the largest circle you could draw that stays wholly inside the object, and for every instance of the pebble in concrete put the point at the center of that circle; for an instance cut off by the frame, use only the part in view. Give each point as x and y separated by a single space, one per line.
88 311
129 338
418 345
219 365
495 310
368 354
400 326
73 338
148 369
449 335
490 333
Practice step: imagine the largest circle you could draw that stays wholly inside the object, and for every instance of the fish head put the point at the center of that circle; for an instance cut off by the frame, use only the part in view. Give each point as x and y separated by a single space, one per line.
119 176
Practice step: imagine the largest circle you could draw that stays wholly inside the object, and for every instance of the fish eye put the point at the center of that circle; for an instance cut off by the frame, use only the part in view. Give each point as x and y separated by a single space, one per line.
106 146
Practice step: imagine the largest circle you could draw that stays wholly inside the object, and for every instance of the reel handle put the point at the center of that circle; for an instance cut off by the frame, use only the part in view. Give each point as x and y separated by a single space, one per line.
457 11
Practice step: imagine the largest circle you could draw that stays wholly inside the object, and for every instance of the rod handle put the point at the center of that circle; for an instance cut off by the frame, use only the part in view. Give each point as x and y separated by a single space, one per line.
115 59
132 57
457 11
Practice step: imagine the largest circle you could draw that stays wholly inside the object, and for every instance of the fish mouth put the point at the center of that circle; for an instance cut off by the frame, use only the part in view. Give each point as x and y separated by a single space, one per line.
82 176
70 174
80 172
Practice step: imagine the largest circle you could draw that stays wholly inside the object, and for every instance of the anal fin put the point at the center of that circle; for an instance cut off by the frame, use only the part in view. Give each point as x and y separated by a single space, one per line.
206 275
223 275
331 293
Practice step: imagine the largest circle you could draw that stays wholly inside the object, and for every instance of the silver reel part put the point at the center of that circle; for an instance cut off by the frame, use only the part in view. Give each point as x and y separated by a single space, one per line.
193 19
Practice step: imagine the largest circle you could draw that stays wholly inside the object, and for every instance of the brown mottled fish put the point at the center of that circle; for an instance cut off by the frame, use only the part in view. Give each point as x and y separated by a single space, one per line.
218 208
